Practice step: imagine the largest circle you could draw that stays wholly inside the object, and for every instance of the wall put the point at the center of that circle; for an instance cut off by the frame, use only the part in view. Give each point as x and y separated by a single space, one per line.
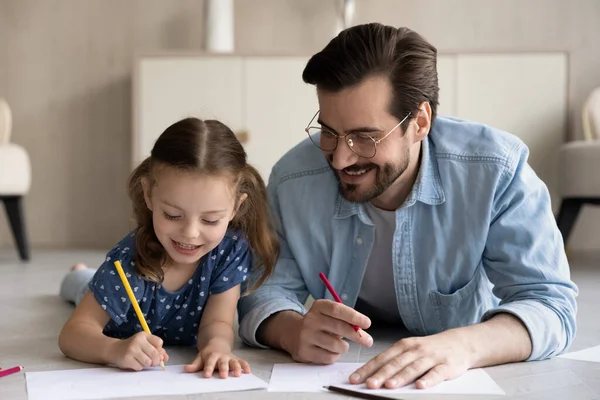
65 68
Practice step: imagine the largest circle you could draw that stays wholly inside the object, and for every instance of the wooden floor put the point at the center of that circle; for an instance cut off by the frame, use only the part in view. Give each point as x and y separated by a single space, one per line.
32 315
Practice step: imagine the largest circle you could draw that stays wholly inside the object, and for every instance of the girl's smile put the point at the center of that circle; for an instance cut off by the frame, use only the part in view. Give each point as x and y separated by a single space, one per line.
186 249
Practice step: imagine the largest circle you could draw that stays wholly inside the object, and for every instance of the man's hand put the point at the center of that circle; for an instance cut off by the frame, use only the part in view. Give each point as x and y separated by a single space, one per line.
319 335
447 355
431 360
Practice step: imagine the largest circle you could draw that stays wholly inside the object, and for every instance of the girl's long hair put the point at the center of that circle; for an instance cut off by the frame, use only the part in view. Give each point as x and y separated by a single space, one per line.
207 147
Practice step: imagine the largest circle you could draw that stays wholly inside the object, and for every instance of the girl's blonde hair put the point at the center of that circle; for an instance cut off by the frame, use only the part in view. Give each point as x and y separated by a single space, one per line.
207 147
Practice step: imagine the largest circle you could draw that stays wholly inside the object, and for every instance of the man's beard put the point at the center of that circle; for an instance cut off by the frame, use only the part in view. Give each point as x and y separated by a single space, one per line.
385 176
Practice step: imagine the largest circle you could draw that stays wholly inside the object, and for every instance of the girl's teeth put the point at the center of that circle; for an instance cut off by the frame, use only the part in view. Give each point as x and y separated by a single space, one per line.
186 246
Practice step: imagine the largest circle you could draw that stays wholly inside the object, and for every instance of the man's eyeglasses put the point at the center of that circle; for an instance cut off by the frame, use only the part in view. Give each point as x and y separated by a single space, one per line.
361 144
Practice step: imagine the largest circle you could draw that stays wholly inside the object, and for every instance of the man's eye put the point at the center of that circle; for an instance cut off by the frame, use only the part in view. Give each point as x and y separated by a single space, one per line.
362 137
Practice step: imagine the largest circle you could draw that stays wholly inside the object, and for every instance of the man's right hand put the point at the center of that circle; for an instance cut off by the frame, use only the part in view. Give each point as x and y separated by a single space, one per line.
318 336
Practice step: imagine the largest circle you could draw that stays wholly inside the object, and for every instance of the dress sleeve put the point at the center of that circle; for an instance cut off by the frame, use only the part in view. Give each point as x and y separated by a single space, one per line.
107 287
233 265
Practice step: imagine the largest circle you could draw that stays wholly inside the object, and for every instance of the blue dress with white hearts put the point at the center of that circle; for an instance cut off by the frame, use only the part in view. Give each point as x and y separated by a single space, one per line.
172 316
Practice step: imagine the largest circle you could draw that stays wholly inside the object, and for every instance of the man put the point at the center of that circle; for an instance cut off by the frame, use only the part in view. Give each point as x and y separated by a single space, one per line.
436 225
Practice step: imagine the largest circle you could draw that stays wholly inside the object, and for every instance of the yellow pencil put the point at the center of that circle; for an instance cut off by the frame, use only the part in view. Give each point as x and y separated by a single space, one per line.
134 302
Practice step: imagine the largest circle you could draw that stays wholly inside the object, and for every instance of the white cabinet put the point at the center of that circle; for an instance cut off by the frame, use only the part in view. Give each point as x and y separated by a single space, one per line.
167 89
263 96
523 93
278 106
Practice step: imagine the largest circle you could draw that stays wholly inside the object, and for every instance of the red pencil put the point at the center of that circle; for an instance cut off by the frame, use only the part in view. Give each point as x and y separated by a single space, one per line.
335 295
9 371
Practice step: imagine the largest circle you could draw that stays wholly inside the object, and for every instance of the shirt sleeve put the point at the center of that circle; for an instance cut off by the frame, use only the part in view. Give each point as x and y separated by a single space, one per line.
285 290
107 287
234 265
525 260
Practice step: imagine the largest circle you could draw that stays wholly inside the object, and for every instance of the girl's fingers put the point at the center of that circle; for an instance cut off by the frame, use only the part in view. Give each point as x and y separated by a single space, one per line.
234 365
245 366
224 367
195 366
165 355
210 364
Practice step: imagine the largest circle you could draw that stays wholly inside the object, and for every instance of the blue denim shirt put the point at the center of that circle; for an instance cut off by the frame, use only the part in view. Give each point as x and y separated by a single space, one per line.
475 237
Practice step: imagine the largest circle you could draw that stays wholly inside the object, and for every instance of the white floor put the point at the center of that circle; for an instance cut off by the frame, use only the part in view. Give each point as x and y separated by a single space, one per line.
33 314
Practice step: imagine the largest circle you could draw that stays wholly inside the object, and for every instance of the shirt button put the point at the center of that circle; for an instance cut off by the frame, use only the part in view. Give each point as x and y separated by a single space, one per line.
358 240
344 296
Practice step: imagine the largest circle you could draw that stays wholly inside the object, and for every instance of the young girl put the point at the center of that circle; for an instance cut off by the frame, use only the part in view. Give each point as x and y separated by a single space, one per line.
202 226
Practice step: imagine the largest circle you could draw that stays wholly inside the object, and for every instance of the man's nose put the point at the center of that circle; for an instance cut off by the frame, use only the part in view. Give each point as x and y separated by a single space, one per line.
342 156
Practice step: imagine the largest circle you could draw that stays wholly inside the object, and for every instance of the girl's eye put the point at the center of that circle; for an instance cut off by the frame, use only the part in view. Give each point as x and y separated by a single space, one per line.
210 222
167 216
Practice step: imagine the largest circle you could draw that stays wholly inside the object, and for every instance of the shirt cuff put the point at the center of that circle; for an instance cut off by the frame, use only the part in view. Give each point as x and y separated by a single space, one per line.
249 325
548 335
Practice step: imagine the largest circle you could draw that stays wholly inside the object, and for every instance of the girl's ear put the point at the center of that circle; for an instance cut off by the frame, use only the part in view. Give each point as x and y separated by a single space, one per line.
146 189
243 198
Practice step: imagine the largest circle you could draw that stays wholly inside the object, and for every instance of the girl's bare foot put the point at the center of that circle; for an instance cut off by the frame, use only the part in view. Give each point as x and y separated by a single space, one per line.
78 266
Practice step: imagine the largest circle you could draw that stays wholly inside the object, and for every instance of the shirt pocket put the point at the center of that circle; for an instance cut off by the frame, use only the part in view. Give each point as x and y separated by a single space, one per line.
462 307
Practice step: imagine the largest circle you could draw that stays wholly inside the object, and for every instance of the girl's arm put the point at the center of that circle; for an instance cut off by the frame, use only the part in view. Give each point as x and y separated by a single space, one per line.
215 337
82 339
216 325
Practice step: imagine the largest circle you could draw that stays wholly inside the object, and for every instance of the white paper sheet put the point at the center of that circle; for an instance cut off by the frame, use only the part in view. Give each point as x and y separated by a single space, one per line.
592 354
102 383
311 378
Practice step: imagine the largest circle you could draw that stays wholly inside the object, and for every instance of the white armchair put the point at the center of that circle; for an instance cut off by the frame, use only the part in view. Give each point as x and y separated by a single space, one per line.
579 168
15 180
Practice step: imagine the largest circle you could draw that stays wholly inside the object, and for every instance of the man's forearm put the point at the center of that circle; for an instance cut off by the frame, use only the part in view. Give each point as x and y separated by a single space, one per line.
278 331
502 339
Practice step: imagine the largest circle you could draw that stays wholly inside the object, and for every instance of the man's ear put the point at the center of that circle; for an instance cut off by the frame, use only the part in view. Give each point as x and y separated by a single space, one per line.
146 189
422 121
243 198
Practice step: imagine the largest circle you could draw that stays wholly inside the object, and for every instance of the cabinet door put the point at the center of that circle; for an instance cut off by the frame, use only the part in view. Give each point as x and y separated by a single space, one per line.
167 89
278 106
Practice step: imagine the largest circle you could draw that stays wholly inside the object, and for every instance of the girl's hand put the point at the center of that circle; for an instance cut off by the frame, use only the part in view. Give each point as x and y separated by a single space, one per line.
139 351
217 355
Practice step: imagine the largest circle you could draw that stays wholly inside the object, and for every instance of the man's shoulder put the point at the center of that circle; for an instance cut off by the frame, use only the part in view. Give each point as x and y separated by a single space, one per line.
304 161
468 141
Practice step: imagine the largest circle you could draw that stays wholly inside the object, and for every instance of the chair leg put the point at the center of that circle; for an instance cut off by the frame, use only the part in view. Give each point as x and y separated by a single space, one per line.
569 210
16 216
